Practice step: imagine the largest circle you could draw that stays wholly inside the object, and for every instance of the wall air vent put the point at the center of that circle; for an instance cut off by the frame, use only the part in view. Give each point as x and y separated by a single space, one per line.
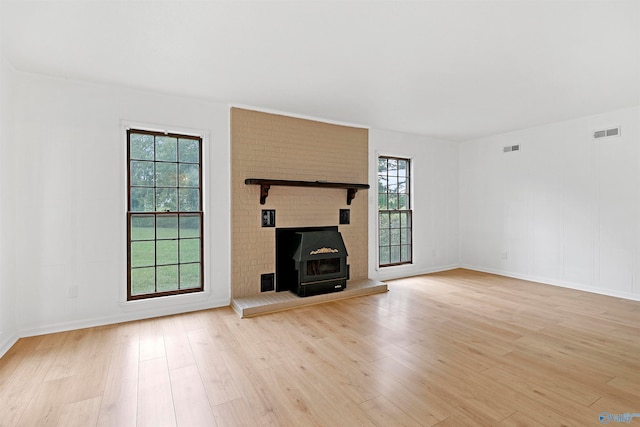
510 148
605 133
613 132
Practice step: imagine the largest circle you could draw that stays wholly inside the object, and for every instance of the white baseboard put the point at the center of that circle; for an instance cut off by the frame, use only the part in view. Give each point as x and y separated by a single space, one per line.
401 272
559 283
28 331
7 342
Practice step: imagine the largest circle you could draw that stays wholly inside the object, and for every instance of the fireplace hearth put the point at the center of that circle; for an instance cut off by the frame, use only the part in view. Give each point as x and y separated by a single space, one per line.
311 261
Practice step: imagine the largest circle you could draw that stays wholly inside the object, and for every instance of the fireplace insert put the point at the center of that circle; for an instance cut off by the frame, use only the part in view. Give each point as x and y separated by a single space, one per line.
304 273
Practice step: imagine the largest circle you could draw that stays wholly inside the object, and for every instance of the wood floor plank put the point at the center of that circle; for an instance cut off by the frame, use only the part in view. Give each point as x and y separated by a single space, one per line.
22 380
190 399
632 387
46 406
70 357
176 343
556 405
520 420
255 392
240 412
445 349
384 413
151 339
217 380
155 399
119 404
80 414
466 389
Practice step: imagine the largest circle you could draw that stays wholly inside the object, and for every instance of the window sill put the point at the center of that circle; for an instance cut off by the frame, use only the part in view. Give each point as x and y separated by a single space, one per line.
168 301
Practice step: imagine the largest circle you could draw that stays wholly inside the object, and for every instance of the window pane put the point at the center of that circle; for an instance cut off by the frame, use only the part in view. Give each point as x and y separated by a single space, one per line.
143 227
166 149
166 174
402 186
167 226
189 176
143 254
189 200
395 254
382 165
403 201
166 199
142 200
384 255
382 201
141 173
384 237
382 184
143 280
167 278
405 254
404 219
167 252
392 166
394 236
189 250
384 220
392 201
395 220
141 146
189 276
402 168
405 235
189 226
393 184
188 151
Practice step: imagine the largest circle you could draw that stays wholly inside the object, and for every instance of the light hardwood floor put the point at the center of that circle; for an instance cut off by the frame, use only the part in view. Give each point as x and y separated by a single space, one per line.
457 348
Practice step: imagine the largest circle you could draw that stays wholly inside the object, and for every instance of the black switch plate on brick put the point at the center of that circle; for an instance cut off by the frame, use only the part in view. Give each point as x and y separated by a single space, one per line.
268 217
345 216
267 282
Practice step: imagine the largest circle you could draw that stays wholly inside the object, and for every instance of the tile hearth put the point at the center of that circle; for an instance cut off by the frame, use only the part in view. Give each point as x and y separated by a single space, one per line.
278 301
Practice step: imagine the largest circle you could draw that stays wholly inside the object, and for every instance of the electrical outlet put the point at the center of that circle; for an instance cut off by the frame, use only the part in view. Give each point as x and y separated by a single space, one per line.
505 255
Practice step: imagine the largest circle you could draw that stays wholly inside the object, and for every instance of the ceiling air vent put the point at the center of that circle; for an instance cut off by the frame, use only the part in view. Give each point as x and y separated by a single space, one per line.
605 133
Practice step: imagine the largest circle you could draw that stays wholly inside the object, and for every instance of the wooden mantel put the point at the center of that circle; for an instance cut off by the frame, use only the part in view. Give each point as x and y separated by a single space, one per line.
265 185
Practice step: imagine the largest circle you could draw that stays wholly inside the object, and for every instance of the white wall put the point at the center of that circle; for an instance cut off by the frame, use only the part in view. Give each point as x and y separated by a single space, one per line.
69 176
8 327
435 202
564 210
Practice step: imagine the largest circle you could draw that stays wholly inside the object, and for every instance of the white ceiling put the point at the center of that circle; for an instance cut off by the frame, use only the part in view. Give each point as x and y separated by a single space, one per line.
452 69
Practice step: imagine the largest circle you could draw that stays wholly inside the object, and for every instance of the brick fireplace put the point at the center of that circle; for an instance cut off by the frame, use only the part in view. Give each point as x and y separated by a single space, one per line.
271 146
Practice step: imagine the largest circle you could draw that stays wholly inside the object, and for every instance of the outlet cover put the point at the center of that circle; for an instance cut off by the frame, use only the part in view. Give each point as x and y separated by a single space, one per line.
345 216
268 218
